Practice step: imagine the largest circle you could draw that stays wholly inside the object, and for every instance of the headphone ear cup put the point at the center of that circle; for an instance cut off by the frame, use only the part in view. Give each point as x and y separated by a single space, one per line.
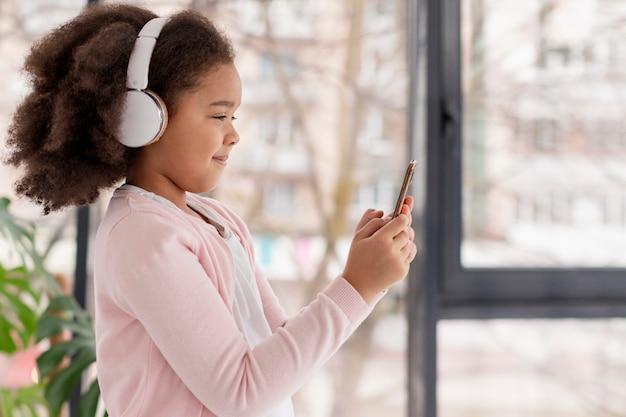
144 118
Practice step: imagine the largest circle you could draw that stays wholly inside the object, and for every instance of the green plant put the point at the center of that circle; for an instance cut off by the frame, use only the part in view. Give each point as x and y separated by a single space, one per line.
23 402
63 314
19 303
34 309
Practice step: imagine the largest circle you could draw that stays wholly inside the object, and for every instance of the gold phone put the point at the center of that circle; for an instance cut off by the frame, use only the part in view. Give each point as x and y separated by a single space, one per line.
408 176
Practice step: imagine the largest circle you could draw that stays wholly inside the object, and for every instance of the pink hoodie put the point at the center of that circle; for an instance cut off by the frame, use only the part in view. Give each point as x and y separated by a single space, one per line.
167 342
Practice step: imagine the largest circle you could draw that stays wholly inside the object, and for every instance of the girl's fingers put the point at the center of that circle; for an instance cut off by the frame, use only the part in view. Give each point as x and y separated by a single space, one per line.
411 252
370 228
394 226
409 201
369 215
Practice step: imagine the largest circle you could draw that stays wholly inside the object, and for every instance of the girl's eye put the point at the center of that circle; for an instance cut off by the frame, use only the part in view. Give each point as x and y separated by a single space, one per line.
222 118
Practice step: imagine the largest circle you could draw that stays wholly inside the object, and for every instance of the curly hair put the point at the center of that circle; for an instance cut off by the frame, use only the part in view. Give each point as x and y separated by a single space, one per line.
63 134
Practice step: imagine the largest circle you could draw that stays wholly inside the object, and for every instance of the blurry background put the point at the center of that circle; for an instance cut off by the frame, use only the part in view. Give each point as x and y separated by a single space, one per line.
338 96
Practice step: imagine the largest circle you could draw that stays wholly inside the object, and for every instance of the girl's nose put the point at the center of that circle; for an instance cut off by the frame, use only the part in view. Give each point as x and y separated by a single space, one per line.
232 138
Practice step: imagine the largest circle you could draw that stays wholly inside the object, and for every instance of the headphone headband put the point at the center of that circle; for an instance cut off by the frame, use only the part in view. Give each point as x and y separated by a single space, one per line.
139 62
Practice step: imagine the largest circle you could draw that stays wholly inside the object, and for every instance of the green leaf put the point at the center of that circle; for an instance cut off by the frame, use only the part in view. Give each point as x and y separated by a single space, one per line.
70 307
22 281
60 387
50 325
7 403
64 313
7 344
62 303
89 401
19 284
28 409
17 276
25 401
19 303
48 361
26 316
19 234
19 231
30 393
30 397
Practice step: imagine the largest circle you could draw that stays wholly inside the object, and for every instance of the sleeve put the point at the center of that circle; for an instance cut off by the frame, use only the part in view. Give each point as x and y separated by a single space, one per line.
167 289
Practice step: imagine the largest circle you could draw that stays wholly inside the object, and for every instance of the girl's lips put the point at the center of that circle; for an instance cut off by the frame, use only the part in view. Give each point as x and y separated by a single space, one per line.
220 159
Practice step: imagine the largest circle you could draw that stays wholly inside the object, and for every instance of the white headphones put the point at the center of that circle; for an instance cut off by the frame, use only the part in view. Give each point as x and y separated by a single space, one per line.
144 117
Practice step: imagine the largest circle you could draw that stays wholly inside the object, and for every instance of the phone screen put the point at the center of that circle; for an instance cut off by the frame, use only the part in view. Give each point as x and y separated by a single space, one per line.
405 188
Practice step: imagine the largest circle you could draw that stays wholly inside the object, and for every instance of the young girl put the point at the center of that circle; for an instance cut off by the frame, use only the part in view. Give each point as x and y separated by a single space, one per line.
186 325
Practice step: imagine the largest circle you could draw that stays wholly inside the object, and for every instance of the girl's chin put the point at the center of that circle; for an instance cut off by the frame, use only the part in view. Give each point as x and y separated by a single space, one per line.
205 188
202 190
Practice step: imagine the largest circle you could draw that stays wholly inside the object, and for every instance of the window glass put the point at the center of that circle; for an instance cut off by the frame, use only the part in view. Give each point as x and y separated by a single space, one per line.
544 137
531 368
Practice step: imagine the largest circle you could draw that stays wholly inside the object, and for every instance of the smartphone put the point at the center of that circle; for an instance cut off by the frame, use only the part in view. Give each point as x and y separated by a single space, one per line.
408 176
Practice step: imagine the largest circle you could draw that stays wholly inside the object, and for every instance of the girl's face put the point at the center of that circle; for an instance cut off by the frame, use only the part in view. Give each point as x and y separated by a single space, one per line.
194 149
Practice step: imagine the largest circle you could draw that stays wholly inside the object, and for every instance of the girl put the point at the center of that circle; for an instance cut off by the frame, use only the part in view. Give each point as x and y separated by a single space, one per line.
186 325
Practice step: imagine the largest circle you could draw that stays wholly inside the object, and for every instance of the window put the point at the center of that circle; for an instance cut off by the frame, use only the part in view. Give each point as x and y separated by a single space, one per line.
377 194
290 19
522 207
372 138
276 129
279 199
569 125
268 63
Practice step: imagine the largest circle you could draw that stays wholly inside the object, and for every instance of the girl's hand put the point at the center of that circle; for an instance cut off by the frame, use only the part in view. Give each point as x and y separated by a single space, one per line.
381 251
